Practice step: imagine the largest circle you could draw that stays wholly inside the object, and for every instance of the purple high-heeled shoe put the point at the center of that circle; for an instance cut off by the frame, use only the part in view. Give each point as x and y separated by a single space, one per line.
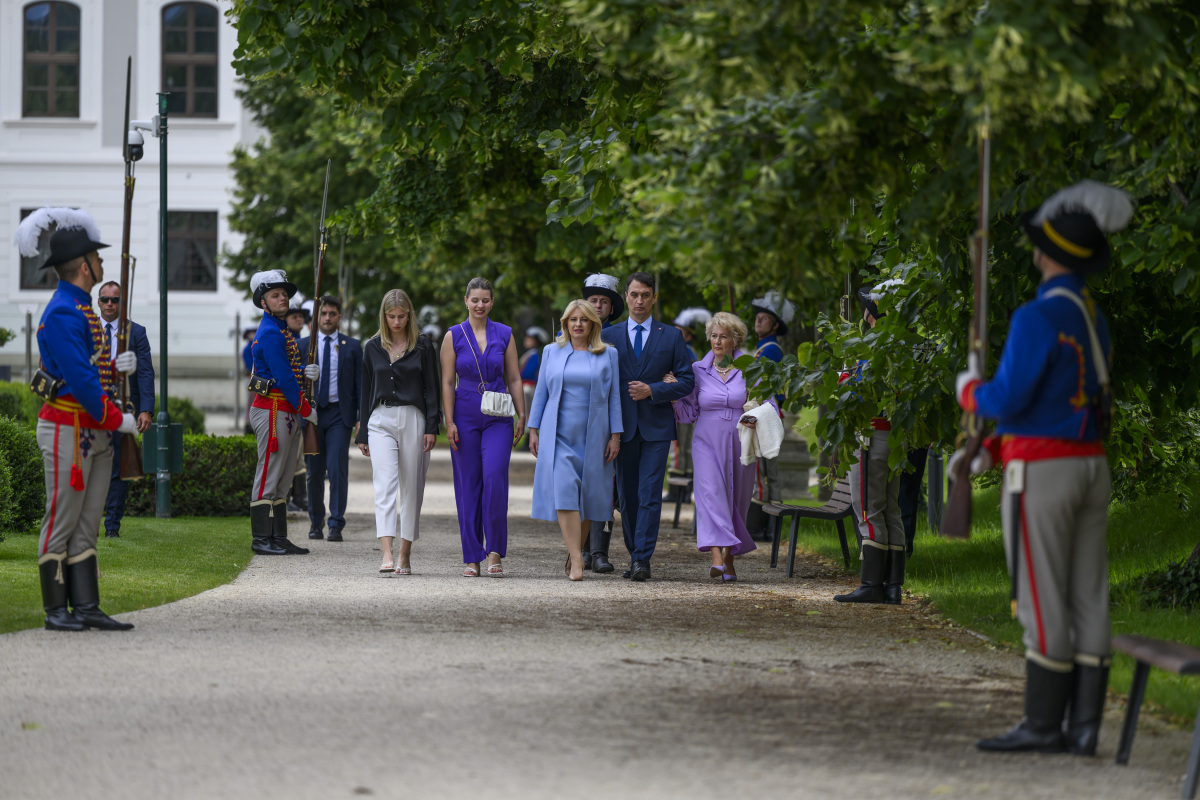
716 572
727 577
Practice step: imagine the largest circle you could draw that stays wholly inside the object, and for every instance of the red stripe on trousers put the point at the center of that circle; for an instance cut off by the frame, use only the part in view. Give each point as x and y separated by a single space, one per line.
262 481
862 479
54 498
1033 594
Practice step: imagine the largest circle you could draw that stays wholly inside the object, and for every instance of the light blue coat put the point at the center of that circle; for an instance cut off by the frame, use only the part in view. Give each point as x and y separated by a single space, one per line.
604 419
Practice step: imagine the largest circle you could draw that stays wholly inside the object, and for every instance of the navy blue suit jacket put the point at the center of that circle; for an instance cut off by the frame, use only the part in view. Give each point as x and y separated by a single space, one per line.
663 351
141 382
350 366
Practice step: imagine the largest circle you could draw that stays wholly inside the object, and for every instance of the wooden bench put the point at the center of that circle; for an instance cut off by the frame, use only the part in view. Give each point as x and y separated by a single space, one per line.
835 510
683 491
1173 657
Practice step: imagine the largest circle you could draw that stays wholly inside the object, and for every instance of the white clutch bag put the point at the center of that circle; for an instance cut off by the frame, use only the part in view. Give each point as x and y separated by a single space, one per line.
497 404
493 404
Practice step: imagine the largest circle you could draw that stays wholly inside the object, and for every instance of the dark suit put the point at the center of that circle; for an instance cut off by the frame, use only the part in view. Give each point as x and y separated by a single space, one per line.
335 424
141 396
649 427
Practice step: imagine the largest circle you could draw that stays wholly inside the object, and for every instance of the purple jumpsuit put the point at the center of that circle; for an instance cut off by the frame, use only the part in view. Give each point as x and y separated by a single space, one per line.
484 444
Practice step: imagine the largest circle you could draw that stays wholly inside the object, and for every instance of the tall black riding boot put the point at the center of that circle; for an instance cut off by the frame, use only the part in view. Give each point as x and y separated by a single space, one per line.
892 594
871 590
601 536
83 583
587 550
54 594
1087 709
1046 695
299 495
260 529
279 532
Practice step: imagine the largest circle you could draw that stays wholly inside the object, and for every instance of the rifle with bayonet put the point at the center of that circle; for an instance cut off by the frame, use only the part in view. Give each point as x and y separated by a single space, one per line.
131 453
956 519
311 448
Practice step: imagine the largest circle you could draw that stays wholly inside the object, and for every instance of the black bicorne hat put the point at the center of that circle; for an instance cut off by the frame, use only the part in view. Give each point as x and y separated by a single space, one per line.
1072 226
70 244
599 283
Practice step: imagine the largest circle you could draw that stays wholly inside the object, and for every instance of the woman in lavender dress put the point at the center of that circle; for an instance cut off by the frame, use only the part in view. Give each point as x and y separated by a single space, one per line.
721 485
478 355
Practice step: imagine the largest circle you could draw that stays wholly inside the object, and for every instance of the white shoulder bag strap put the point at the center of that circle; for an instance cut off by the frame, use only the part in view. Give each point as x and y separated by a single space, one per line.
1098 357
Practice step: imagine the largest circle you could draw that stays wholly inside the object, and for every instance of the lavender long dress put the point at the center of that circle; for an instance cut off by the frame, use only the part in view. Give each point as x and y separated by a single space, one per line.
722 487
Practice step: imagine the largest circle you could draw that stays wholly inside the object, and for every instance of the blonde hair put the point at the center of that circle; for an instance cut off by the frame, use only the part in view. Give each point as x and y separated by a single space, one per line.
728 323
397 298
596 345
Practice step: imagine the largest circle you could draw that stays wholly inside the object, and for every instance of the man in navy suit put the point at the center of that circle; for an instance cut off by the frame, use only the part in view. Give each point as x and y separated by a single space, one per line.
140 394
646 351
337 395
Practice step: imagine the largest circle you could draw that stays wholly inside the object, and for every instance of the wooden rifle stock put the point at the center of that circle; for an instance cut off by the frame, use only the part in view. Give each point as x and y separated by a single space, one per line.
131 453
956 517
311 447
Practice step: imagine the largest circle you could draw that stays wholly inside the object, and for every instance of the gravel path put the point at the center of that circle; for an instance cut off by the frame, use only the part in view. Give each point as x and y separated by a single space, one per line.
315 678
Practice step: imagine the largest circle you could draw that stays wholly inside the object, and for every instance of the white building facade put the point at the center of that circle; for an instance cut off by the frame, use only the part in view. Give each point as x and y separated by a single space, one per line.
62 95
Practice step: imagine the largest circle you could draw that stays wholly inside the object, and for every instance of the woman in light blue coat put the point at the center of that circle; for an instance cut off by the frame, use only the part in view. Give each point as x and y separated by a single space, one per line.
575 430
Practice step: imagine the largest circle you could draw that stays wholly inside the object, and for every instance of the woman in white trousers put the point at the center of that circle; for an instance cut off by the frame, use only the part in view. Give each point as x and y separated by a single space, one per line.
402 415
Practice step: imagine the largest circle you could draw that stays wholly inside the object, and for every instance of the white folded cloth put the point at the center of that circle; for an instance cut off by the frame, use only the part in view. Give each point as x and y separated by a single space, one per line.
765 438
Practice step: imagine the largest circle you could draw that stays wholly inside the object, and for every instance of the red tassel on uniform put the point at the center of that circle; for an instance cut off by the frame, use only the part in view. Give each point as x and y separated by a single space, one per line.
76 478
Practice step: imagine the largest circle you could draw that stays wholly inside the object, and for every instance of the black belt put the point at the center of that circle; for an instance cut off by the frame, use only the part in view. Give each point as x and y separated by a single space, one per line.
329 405
390 403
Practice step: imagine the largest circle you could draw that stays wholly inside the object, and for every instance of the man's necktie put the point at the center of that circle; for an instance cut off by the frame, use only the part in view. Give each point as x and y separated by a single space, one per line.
323 393
108 333
637 341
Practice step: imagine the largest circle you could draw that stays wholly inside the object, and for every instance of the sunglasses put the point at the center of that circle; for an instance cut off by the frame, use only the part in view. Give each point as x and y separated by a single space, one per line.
109 299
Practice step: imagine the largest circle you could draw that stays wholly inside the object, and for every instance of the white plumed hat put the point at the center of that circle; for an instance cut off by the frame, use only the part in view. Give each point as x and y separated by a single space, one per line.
691 317
784 311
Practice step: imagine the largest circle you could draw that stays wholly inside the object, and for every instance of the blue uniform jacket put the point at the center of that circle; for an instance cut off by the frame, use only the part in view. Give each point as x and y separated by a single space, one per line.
768 348
663 352
272 359
73 348
1045 383
350 374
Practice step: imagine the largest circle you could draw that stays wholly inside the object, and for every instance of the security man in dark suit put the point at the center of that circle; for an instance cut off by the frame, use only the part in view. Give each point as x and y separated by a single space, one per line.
338 391
141 396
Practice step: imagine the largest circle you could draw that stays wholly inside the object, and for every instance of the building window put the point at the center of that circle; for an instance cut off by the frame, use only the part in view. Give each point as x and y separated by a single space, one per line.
32 274
192 251
189 59
50 85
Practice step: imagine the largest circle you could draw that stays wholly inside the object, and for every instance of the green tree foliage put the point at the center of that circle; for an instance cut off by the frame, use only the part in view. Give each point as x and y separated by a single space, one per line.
789 144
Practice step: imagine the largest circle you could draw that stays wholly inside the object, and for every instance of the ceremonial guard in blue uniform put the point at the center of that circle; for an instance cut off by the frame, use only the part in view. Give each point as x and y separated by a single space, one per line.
875 496
275 414
772 315
1051 401
604 293
78 421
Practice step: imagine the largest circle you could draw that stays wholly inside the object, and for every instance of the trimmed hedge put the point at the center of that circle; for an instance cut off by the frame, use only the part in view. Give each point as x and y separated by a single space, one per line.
17 402
22 459
216 479
184 412
7 501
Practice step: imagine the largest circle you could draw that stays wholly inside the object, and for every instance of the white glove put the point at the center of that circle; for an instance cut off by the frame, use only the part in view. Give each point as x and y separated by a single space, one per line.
312 371
126 362
311 419
980 464
128 421
972 373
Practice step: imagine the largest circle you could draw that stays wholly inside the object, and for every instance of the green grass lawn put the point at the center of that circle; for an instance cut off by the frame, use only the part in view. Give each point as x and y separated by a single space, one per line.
153 562
968 582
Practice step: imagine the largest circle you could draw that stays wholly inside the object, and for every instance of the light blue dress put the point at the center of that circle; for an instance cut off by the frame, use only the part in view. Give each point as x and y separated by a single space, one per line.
576 408
571 437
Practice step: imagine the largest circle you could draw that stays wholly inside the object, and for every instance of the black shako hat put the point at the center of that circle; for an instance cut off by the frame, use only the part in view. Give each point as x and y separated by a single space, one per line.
70 244
599 283
263 282
1072 226
72 234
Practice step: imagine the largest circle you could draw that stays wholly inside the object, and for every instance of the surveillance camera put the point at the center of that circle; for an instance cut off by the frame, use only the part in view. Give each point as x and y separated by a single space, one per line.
135 142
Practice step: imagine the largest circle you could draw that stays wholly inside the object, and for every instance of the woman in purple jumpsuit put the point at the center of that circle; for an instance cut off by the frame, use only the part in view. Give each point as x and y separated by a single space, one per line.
474 352
722 486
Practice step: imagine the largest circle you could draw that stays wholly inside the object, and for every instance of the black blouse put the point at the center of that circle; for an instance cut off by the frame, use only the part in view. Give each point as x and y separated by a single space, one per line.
411 381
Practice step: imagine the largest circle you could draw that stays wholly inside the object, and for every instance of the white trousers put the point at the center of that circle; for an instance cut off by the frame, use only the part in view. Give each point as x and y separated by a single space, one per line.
398 467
